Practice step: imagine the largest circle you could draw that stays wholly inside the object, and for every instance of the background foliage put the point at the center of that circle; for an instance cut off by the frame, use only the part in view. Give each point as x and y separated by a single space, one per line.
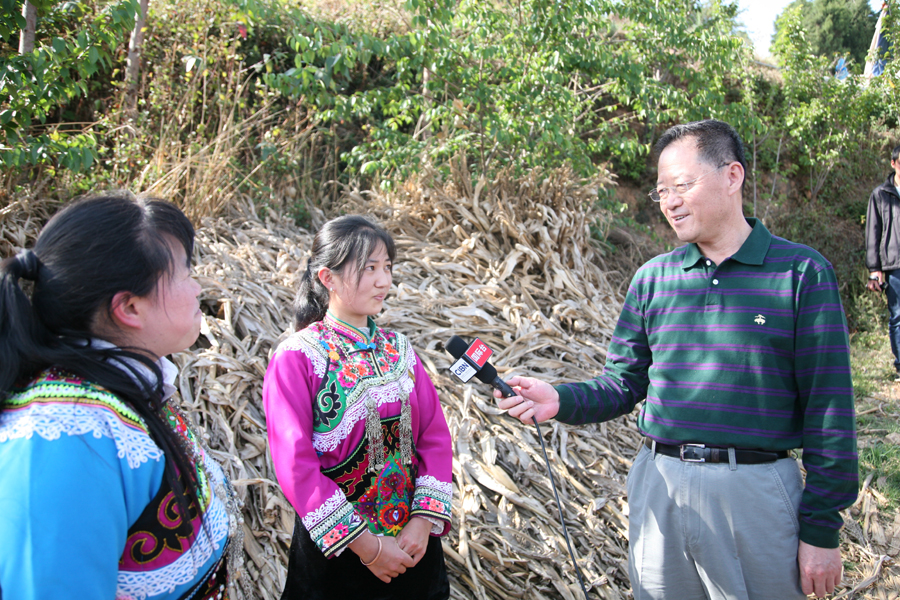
285 104
834 27
51 94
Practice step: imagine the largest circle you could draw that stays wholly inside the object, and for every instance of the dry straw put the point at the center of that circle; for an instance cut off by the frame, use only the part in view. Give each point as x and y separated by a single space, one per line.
509 261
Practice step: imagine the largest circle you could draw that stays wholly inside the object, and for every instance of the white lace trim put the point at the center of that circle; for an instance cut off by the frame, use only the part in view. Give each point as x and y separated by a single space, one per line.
297 343
427 481
407 382
382 394
392 391
410 355
437 526
50 420
313 518
167 368
140 585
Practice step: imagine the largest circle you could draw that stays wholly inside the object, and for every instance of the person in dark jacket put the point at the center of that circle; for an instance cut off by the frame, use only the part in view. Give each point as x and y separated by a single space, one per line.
883 249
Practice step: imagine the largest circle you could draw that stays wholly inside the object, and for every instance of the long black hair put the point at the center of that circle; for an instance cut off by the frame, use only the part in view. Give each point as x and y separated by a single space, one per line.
343 242
86 254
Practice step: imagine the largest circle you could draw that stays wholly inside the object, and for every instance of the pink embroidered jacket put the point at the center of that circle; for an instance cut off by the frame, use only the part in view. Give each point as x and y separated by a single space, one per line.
319 386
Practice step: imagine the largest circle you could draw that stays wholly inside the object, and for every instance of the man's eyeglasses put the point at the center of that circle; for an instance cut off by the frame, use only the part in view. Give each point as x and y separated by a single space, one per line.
660 194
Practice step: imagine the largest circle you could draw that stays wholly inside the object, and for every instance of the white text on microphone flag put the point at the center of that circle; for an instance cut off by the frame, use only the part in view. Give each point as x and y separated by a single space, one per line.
479 352
462 369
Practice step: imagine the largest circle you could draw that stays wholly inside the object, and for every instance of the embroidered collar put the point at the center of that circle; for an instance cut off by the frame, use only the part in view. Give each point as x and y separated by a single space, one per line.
359 339
167 368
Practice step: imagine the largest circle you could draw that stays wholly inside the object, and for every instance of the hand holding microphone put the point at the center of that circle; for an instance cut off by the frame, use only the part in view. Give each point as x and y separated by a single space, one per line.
534 400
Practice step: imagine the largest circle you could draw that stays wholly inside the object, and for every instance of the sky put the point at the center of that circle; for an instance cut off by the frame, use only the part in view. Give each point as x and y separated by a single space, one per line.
758 17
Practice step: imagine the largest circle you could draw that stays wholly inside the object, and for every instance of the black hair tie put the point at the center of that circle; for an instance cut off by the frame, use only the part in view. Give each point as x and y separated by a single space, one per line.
313 278
29 265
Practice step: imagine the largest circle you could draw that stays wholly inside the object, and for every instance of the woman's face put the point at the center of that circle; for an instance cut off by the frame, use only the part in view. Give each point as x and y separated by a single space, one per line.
173 312
354 302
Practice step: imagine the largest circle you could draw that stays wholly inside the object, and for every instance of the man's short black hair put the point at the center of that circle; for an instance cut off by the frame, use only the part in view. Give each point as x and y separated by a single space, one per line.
895 154
717 142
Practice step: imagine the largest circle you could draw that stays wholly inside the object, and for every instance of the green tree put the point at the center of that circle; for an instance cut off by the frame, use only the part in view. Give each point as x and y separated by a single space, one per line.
74 41
824 117
524 84
834 27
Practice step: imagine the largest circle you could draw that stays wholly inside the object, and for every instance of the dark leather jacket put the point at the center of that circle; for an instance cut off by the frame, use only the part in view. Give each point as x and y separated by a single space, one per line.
883 228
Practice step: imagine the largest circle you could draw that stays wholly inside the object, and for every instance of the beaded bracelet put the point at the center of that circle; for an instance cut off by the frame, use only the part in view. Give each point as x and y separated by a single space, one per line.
377 555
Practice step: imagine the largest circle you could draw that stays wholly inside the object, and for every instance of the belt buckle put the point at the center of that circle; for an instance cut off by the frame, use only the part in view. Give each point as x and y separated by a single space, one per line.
698 460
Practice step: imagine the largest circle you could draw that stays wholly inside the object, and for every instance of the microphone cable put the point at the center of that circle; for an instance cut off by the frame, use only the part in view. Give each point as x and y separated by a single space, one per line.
559 508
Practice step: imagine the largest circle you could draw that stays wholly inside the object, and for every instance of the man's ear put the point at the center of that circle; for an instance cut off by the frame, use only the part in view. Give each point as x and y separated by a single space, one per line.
127 311
736 175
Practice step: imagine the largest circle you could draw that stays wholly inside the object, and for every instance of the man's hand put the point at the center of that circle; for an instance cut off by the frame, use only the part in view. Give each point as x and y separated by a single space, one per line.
875 284
536 399
413 538
820 569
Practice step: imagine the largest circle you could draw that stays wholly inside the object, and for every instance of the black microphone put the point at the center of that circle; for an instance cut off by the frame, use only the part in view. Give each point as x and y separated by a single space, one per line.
457 347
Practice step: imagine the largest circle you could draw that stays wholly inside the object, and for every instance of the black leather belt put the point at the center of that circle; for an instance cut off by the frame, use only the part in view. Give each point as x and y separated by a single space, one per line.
702 453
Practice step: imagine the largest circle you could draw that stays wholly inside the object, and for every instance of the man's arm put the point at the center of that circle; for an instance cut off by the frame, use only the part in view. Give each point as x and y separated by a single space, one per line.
822 372
873 244
873 235
613 393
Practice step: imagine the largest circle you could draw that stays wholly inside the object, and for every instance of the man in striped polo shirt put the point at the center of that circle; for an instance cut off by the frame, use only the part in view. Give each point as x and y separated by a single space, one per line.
738 344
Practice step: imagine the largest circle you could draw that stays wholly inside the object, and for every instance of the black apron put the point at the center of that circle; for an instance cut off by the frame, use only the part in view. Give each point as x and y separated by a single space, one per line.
311 576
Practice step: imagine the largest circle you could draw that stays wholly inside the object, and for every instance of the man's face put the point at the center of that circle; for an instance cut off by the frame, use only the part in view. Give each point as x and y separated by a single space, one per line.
702 214
895 165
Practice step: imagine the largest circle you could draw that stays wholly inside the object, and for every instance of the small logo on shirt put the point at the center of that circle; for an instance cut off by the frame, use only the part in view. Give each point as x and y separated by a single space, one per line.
760 320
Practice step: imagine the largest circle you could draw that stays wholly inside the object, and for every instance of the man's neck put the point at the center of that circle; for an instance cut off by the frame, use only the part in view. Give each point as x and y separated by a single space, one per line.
728 246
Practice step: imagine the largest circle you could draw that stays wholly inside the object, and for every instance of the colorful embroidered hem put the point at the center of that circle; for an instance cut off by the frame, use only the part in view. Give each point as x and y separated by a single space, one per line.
334 525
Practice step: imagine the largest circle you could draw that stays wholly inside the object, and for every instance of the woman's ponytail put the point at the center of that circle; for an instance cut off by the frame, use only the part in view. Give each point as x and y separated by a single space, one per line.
25 265
312 300
20 331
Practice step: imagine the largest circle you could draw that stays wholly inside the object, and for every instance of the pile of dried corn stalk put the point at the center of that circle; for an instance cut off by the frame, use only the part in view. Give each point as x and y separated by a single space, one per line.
512 262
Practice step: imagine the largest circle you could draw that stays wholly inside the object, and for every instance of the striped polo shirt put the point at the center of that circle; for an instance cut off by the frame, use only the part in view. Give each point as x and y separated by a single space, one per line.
752 353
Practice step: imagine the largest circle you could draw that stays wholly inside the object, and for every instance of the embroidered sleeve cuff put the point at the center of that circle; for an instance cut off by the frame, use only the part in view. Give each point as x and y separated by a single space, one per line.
432 501
334 525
